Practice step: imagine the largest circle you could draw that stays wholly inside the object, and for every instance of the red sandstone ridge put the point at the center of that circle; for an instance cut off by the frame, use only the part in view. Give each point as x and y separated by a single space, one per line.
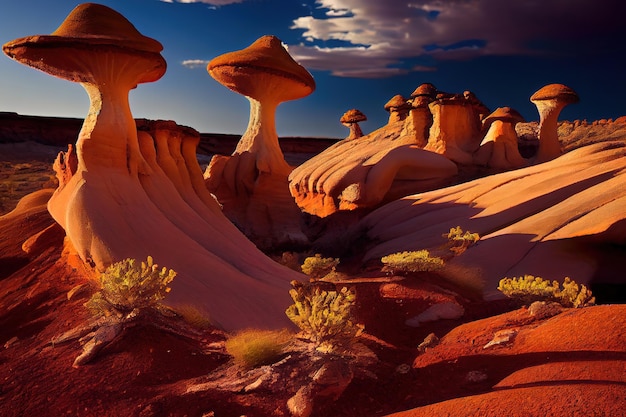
128 195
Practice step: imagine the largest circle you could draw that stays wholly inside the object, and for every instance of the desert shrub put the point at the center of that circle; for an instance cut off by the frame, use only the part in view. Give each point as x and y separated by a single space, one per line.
414 261
325 317
253 348
129 285
459 240
317 267
528 289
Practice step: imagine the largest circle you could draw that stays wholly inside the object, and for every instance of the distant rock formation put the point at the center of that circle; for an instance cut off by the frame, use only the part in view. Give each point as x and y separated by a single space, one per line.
390 162
59 131
129 194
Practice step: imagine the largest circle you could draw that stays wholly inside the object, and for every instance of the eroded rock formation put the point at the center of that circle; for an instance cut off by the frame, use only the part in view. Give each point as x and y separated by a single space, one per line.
499 148
351 120
456 127
252 182
535 220
362 173
124 194
550 100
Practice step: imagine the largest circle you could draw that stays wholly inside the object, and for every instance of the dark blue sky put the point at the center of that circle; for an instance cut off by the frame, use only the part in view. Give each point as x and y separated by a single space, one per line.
360 52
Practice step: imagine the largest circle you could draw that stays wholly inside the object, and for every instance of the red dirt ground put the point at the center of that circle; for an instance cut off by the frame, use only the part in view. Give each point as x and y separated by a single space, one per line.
572 364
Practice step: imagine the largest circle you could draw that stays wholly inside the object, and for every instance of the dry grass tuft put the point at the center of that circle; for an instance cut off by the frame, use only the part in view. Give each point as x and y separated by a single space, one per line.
252 348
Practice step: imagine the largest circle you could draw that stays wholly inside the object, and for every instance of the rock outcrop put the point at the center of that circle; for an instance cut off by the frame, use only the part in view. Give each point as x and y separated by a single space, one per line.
456 126
530 221
363 173
124 194
499 148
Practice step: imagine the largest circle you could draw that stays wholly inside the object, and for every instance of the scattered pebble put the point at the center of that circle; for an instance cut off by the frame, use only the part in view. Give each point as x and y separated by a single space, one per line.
544 310
429 341
501 337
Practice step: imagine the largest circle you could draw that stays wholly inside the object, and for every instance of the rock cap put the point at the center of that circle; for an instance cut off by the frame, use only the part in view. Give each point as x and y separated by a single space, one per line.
555 91
353 116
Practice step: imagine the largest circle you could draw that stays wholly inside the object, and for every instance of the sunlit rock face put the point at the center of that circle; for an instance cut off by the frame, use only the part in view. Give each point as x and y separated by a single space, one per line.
549 220
364 172
129 194
455 131
252 182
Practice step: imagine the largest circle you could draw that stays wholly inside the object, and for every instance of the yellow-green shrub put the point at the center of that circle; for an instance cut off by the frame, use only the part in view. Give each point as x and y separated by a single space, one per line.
317 267
459 241
253 348
325 317
529 289
413 261
129 285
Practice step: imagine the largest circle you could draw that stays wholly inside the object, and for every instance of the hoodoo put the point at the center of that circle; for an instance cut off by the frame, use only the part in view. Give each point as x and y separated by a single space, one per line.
252 182
128 195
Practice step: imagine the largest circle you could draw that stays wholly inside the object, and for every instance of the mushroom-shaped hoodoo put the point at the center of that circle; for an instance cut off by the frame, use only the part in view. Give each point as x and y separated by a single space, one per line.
499 148
252 182
420 118
103 51
351 119
124 196
550 100
455 132
398 108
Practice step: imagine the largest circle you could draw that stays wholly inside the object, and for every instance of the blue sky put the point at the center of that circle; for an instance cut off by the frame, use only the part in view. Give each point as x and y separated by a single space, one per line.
360 52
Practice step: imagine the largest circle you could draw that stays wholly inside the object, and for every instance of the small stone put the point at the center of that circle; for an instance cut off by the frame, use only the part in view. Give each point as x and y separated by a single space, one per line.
501 337
301 404
544 310
429 341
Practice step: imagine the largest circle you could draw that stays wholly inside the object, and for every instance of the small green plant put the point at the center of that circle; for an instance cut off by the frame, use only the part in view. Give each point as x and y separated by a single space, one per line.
318 267
128 285
253 348
413 261
459 241
325 317
528 289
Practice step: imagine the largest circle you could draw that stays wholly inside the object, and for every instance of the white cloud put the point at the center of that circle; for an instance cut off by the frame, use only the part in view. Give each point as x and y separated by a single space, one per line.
377 37
194 63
